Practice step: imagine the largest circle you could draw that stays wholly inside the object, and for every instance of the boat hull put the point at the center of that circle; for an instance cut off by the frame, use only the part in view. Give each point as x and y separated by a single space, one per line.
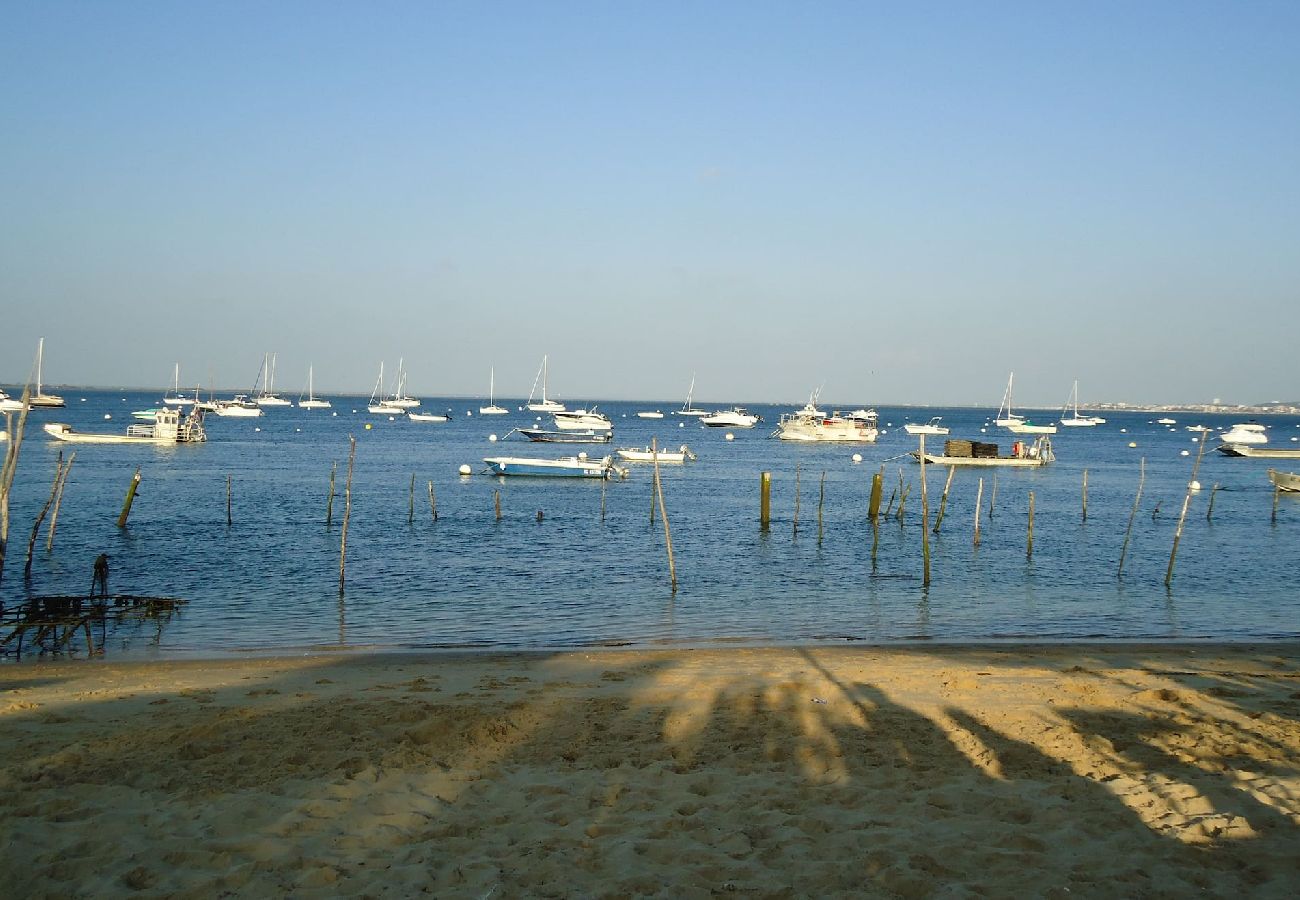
568 467
314 404
1284 481
541 436
977 462
1258 452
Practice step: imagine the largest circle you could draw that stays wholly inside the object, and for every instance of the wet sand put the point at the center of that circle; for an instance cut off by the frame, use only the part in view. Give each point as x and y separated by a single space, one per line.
914 772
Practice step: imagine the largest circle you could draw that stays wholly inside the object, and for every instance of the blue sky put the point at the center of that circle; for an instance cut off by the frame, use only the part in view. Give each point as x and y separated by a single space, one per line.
903 202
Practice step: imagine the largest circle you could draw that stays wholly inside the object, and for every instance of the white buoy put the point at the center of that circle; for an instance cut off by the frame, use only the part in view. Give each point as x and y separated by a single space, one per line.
83 399
857 457
730 436
258 428
298 429
1132 443
1123 431
368 426
984 431
107 416
465 470
492 438
681 424
582 454
1195 485
469 412
334 414
1185 453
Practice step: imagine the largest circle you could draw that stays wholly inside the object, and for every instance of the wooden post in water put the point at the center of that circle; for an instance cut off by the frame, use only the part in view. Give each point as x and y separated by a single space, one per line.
602 500
1210 510
58 503
873 512
654 456
1029 546
1182 516
993 494
329 503
663 514
347 514
228 485
796 499
433 502
764 500
943 500
1142 477
130 498
902 502
821 499
889 508
496 503
925 522
1276 492
410 502
54 490
979 500
1085 495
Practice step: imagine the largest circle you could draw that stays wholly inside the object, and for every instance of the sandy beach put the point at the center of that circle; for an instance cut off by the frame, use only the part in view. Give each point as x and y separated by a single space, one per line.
913 772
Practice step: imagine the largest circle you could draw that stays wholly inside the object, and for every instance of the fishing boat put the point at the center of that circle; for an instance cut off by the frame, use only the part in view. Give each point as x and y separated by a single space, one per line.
812 425
167 428
429 417
650 414
736 417
545 404
1255 452
978 454
40 399
311 401
1070 416
1245 433
543 436
930 427
563 467
1284 481
583 420
268 396
638 454
492 409
242 407
687 409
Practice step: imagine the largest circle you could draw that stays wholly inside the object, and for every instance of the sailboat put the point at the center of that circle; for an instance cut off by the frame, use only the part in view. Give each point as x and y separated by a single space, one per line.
39 398
311 402
1074 420
174 397
687 409
545 404
399 396
378 404
1014 423
268 396
492 409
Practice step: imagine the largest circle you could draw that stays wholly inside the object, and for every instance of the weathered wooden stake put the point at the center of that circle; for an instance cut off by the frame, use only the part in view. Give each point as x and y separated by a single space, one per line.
1029 546
663 514
433 503
1277 491
943 500
1155 510
329 503
1142 477
130 498
925 521
653 499
228 480
796 499
58 503
764 500
54 489
888 508
347 514
602 499
496 503
1210 510
979 500
410 502
10 468
902 502
1187 501
821 499
993 494
877 491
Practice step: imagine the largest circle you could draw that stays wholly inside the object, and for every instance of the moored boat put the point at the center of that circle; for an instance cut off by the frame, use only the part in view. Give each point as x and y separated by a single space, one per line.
638 454
240 407
811 425
583 420
930 427
979 454
1245 433
492 409
736 417
167 428
543 436
562 467
1256 452
429 417
1284 481
650 414
545 404
40 399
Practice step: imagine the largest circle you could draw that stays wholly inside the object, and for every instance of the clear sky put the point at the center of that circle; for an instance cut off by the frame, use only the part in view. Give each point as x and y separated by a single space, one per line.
901 201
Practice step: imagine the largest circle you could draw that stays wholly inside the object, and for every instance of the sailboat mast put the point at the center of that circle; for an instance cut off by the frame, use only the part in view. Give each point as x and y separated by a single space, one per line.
40 352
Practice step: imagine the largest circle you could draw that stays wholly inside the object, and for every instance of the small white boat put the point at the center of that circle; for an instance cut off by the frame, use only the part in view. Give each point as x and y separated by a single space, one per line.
545 404
650 414
1070 416
429 417
492 409
40 399
1284 481
240 407
736 417
1245 433
976 454
173 397
563 467
311 401
687 409
637 454
1027 427
267 397
586 436
168 428
583 420
1197 428
1166 421
930 427
146 415
9 404
810 425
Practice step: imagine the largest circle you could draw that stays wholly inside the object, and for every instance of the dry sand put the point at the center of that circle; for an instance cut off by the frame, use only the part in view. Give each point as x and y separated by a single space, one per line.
942 771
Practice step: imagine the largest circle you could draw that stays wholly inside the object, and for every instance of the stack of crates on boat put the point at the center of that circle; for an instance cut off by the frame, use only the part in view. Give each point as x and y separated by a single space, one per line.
958 448
981 450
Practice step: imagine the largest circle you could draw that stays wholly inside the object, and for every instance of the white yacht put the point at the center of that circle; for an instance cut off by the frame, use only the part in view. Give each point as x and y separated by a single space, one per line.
583 420
930 427
1245 433
242 407
736 417
812 425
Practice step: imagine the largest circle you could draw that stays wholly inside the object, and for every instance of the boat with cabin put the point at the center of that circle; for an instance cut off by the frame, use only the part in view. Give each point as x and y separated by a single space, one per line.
579 466
168 428
9 404
267 396
40 399
173 396
736 417
310 400
1284 481
979 454
583 420
1070 415
811 425
378 404
930 427
1245 433
638 454
242 407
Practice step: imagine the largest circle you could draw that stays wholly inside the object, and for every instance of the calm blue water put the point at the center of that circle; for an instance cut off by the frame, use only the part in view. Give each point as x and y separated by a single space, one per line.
270 580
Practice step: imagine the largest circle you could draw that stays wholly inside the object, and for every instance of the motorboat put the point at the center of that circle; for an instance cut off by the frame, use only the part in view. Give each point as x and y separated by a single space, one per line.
1256 452
930 427
811 425
542 436
563 467
167 428
1284 481
650 414
583 420
9 404
736 417
637 454
1245 433
978 454
242 406
1166 421
428 417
